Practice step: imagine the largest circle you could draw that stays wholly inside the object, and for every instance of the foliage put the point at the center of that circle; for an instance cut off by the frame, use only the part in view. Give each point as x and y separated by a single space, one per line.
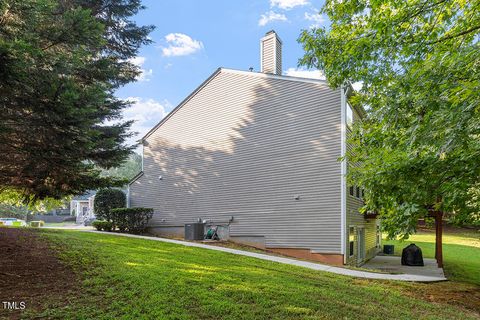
106 200
60 64
132 220
102 225
138 278
15 199
8 211
419 62
127 170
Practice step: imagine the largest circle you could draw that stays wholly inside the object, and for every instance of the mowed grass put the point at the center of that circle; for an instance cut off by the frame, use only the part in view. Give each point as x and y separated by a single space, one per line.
126 278
461 252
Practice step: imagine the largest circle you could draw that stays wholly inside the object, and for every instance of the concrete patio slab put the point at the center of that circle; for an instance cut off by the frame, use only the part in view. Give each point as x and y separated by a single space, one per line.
294 262
392 264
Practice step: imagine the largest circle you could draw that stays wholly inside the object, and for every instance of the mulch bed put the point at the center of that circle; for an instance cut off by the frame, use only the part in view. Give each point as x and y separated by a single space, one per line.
31 273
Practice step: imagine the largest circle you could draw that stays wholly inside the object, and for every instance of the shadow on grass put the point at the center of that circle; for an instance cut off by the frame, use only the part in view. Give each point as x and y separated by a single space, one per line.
169 281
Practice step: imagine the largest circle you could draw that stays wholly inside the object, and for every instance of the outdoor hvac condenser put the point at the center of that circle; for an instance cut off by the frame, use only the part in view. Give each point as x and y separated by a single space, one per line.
194 231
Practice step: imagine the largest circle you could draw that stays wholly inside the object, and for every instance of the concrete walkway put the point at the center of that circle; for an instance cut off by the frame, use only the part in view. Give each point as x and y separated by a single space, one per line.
293 262
80 227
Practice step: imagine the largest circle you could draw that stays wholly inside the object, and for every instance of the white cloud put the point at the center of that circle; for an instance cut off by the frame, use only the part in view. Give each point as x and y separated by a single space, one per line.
304 73
288 4
144 73
180 44
316 19
271 16
146 113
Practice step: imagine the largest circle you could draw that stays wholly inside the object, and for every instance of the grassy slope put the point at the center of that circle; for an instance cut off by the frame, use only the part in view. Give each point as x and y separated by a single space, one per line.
461 252
134 279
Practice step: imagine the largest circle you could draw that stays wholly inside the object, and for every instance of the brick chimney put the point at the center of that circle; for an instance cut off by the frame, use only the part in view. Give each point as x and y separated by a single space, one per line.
271 53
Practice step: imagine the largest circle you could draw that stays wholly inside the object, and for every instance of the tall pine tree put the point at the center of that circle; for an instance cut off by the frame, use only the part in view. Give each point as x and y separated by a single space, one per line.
60 64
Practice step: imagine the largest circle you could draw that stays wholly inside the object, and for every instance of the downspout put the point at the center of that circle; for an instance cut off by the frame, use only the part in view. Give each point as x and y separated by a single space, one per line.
343 170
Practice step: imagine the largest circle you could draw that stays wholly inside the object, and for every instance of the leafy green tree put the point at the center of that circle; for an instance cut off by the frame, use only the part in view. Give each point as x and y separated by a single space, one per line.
127 169
417 150
12 198
9 211
60 64
106 200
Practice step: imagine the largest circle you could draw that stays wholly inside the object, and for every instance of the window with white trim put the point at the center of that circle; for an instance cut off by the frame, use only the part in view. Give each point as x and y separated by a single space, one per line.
349 115
351 241
378 237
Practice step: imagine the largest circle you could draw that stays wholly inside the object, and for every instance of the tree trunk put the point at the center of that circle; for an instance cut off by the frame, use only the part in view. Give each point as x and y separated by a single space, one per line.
438 238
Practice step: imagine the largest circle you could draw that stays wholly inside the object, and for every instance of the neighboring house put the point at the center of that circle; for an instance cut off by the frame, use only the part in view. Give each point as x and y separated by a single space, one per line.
257 154
81 206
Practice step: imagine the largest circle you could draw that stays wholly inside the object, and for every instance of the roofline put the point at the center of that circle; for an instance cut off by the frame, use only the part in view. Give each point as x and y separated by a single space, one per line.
234 71
275 76
350 91
138 175
190 96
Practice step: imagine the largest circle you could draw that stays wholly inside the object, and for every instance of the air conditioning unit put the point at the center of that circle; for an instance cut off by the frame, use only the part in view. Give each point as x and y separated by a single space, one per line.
194 231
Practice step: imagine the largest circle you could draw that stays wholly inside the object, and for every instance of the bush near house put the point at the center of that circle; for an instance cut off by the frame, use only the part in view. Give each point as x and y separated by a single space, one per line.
106 200
132 220
102 225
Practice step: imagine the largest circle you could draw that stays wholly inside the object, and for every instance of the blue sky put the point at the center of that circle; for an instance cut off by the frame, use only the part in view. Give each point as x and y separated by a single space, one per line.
193 38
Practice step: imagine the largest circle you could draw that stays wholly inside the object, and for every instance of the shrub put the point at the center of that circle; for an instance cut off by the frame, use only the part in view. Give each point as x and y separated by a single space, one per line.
102 225
106 200
132 220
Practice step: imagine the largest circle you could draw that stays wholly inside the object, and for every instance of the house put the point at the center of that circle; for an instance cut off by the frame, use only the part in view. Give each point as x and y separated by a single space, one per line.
257 154
81 206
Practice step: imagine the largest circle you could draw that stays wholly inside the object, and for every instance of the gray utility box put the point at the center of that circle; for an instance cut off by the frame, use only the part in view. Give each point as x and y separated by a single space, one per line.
194 231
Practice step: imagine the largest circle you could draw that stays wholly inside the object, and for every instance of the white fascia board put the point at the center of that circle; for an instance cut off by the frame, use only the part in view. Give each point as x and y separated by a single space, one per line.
274 76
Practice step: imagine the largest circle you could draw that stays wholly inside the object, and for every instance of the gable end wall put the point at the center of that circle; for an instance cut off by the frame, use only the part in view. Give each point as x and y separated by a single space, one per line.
244 147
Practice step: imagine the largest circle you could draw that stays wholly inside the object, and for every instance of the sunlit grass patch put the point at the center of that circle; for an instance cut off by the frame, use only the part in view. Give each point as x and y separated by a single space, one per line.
461 252
137 278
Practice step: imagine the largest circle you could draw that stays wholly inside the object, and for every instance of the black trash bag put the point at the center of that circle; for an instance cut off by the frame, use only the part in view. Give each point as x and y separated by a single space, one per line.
412 256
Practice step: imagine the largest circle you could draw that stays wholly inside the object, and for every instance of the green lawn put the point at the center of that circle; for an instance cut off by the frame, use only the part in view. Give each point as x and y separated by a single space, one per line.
461 252
126 278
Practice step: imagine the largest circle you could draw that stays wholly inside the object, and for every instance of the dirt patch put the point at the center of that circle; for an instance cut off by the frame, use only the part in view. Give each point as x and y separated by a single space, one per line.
30 273
449 292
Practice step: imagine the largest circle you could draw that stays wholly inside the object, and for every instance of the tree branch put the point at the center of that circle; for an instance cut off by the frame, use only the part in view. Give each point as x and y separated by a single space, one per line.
451 36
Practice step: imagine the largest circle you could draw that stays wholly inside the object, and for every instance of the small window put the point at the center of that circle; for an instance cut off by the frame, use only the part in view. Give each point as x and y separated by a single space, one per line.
349 115
358 192
362 194
351 239
378 237
352 190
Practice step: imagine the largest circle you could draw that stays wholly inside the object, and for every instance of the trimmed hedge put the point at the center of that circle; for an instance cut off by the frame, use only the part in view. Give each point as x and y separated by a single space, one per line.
102 225
132 220
106 200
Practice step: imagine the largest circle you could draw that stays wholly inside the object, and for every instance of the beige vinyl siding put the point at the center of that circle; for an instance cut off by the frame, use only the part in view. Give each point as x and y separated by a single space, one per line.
268 56
356 219
278 50
244 146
